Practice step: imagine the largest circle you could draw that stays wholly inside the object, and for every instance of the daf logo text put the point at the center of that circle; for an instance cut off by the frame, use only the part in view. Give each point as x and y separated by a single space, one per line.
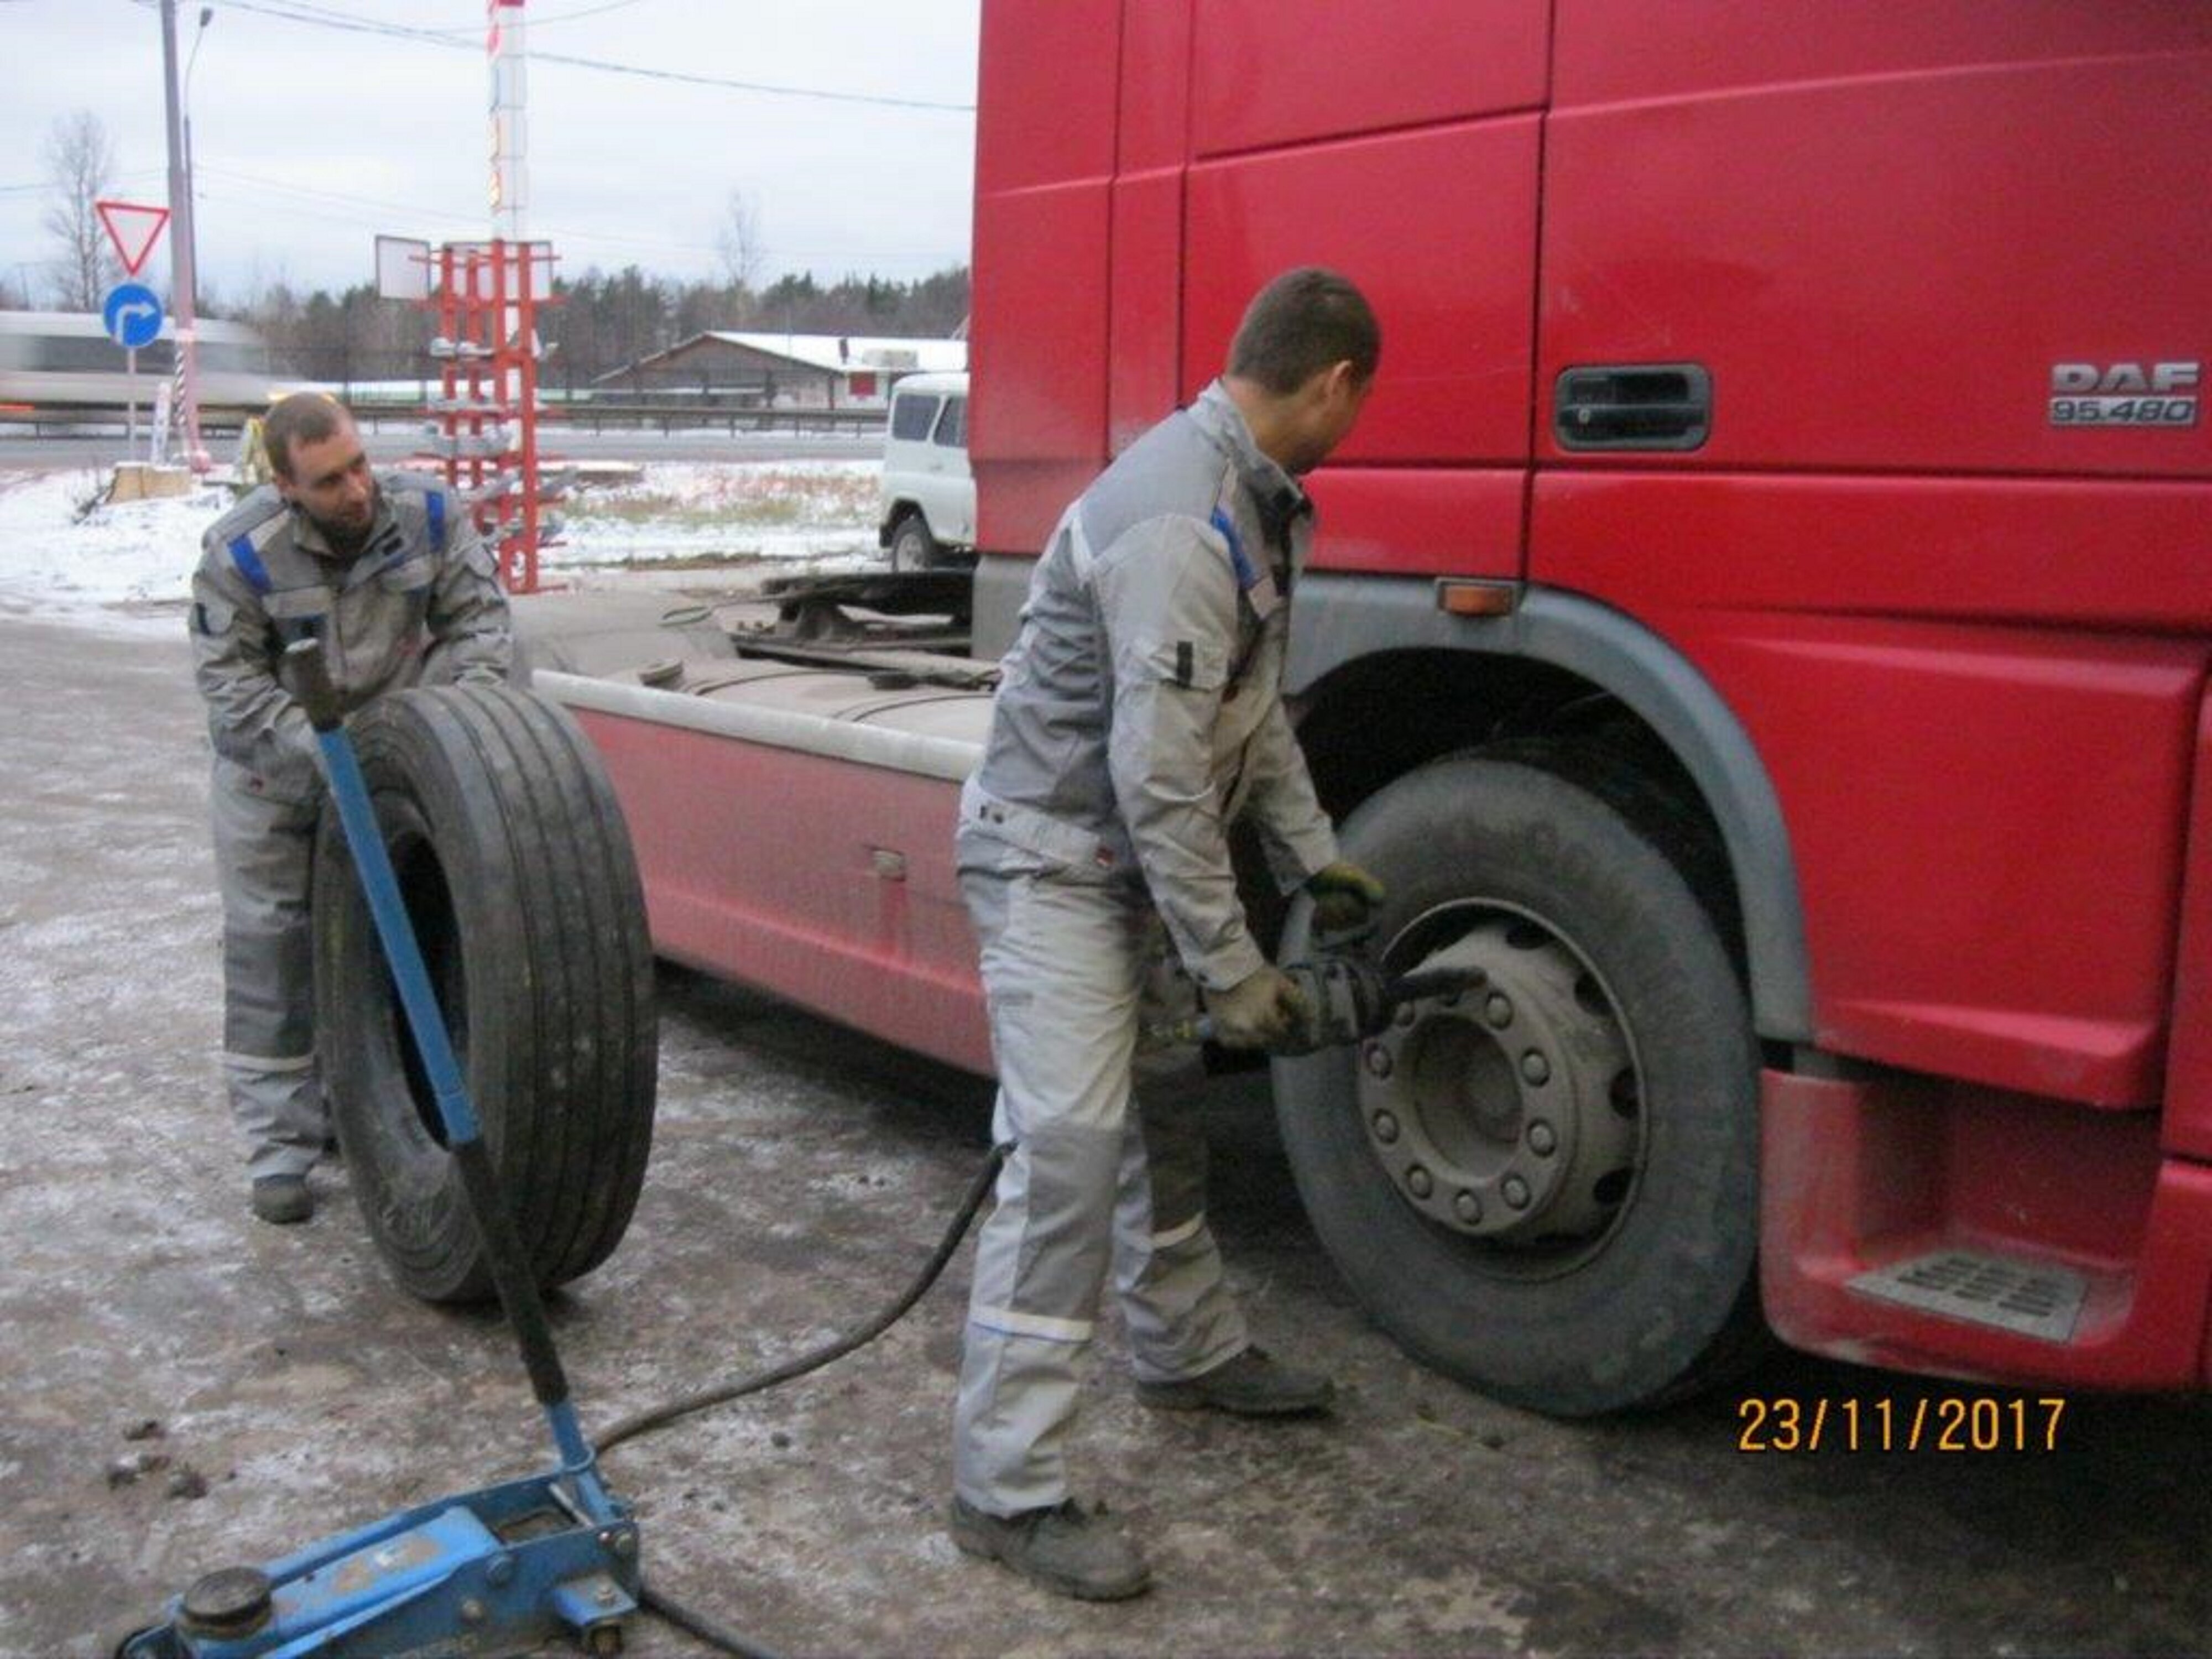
2124 394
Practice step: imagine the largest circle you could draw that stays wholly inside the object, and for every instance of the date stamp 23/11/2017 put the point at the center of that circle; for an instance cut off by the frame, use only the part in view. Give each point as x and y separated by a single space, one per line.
1952 1424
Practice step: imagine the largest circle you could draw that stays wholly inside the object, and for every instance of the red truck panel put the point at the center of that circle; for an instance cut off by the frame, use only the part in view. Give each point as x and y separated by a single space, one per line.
2189 1067
1419 521
1880 270
1155 84
1277 71
1147 309
1856 1175
895 957
1045 154
1048 377
1879 228
1986 819
1438 227
1147 278
1611 51
1047 82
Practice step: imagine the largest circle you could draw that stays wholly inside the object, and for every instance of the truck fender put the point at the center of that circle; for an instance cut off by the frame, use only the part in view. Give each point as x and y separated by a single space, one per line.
1343 619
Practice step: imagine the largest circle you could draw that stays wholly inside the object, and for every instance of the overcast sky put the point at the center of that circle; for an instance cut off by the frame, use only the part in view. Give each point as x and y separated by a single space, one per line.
313 130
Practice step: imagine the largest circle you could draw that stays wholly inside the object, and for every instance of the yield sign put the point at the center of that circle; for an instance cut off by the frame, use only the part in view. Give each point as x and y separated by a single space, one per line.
134 228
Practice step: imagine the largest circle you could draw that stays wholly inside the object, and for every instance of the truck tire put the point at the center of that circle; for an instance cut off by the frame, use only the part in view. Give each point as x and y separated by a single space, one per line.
912 548
1548 1189
517 869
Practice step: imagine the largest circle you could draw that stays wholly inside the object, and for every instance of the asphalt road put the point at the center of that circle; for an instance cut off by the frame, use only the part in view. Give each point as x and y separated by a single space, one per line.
799 1173
394 441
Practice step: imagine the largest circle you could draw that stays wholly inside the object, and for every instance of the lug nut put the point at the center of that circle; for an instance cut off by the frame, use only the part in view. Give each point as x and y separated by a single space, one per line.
1498 1010
1386 1127
1379 1061
1541 1140
500 1572
1418 1182
1516 1192
1467 1207
1536 1067
472 1612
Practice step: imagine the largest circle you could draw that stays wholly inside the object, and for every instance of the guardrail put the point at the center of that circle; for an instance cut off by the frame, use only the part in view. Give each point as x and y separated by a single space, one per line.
690 417
374 411
84 421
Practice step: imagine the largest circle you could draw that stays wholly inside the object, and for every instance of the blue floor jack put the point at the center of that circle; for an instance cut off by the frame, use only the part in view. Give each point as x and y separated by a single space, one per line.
495 1571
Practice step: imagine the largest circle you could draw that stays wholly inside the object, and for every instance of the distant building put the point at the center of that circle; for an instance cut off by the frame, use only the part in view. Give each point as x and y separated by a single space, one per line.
779 371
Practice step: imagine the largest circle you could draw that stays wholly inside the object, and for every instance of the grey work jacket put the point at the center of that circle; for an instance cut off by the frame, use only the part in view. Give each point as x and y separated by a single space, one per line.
1140 712
421 598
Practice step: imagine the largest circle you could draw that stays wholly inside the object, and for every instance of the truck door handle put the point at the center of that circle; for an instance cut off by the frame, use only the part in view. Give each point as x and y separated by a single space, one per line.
1633 406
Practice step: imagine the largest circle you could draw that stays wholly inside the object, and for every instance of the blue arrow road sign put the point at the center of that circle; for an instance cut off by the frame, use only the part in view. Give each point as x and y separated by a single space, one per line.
132 313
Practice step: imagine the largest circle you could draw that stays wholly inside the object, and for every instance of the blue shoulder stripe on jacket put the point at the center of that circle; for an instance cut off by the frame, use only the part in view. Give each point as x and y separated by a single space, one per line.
1246 575
249 564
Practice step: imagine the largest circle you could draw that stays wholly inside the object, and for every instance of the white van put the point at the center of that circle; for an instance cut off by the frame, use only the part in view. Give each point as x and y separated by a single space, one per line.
928 498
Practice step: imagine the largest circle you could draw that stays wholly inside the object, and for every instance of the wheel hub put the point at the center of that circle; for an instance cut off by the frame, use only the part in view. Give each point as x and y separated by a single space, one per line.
1509 1111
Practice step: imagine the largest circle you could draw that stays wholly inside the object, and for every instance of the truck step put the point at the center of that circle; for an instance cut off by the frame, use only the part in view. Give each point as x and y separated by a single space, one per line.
2037 1299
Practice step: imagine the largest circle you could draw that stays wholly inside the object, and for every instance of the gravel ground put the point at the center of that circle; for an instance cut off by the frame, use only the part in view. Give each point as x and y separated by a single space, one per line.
799 1173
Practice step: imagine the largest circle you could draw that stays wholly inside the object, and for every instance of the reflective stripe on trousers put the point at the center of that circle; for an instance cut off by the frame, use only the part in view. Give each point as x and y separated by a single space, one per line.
1093 1177
263 858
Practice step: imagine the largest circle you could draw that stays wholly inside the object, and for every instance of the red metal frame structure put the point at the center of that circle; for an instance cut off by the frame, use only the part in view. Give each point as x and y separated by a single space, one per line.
486 295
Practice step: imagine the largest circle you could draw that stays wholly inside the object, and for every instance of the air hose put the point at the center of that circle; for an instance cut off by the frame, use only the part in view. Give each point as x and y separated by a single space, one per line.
660 1417
1346 998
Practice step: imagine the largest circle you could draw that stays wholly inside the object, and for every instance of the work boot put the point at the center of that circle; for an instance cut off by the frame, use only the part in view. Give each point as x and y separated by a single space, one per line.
1253 1384
282 1199
1065 1548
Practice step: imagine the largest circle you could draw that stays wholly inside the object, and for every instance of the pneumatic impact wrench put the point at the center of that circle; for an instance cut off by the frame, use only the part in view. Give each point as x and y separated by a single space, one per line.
1344 997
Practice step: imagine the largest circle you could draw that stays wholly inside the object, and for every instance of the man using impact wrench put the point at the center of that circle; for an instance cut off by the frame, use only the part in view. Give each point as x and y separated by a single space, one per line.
1138 716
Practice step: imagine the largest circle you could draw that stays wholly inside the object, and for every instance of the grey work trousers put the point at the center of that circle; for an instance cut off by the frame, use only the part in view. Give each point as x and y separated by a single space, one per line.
264 856
1071 970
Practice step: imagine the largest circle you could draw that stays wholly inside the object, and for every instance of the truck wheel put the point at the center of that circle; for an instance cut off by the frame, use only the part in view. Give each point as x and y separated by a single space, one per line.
519 877
912 548
1547 1188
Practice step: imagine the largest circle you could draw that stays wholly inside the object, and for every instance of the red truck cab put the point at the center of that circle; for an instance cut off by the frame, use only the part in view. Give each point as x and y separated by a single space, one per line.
1761 621
1789 441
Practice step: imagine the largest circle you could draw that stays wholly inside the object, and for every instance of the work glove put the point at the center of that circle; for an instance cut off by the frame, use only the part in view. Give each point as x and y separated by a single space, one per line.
1261 1008
1346 898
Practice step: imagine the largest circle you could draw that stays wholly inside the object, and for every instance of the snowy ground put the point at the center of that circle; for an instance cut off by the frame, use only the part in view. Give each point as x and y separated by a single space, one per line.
127 567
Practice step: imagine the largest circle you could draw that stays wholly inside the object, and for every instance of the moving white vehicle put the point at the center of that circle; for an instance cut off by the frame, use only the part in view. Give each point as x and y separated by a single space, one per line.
928 516
61 366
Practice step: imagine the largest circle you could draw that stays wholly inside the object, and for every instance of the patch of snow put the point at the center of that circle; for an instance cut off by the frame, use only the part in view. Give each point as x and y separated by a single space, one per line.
127 567
55 566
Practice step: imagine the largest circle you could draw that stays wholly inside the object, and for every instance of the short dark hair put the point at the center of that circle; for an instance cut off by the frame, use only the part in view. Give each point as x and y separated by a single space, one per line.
305 416
1300 324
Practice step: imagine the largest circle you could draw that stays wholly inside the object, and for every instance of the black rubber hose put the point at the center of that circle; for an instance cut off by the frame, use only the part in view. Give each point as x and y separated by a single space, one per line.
698 1625
660 1416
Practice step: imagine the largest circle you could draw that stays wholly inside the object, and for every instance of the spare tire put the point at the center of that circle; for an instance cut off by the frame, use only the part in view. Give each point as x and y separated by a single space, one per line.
517 871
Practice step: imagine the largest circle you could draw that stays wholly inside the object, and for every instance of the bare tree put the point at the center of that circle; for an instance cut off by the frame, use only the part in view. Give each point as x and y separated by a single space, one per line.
80 162
744 254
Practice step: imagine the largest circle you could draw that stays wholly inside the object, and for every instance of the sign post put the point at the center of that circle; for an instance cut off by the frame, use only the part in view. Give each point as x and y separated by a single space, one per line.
132 315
